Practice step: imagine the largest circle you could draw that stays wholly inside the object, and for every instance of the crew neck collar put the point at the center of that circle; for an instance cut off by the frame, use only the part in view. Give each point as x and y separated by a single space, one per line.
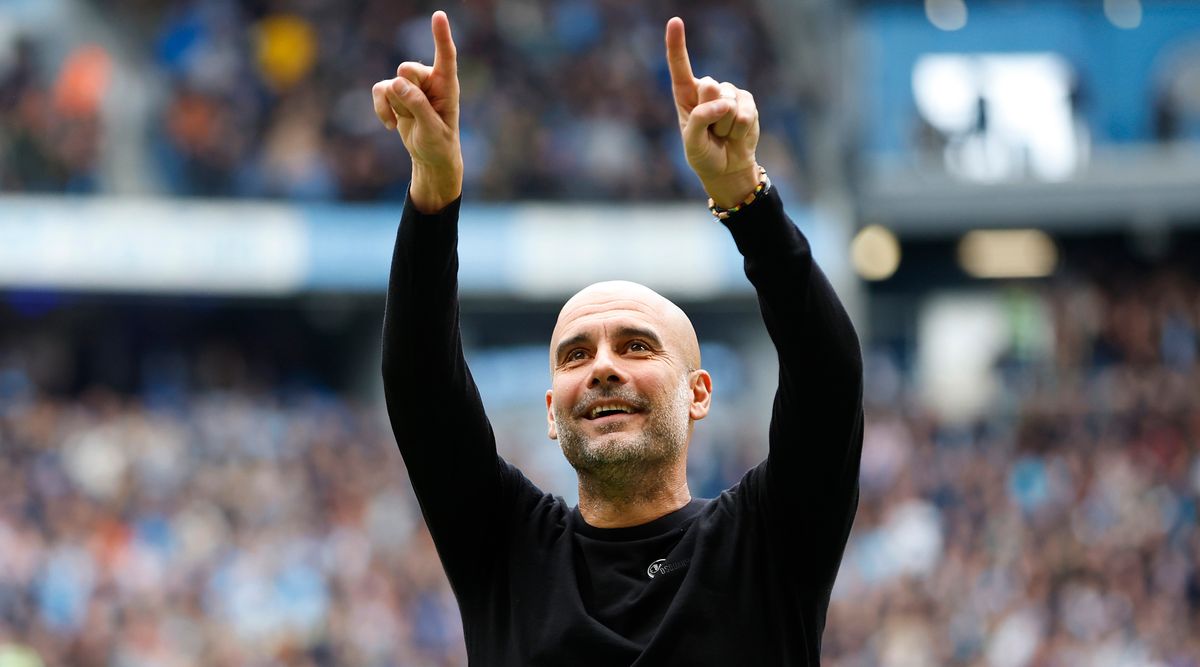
659 526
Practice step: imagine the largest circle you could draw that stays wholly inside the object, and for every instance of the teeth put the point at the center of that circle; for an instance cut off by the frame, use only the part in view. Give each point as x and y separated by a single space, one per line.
605 408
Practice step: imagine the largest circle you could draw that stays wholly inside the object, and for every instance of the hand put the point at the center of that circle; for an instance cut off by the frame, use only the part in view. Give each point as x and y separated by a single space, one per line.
421 103
719 123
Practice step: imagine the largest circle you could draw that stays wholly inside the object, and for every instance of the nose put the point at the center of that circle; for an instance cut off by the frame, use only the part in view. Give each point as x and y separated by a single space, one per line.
605 370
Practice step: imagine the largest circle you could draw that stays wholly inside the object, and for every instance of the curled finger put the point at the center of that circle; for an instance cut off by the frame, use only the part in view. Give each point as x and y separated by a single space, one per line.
708 89
726 91
407 99
383 109
746 118
415 72
701 119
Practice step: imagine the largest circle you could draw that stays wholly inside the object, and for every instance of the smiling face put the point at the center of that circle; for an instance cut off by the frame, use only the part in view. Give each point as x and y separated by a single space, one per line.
626 382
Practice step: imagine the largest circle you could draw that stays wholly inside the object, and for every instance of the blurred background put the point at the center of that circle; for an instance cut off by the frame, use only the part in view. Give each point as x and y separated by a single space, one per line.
196 222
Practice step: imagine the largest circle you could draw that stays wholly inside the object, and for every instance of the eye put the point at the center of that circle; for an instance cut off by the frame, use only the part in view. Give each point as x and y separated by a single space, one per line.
638 346
577 354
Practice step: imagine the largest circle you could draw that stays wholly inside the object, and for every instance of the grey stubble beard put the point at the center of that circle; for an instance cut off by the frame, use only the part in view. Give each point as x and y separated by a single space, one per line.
635 466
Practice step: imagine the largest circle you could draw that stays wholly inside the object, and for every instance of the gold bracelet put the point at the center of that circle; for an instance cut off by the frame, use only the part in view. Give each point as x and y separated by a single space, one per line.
764 184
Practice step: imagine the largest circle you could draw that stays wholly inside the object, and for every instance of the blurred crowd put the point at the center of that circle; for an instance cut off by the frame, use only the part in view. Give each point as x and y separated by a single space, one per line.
239 527
1058 530
272 99
235 531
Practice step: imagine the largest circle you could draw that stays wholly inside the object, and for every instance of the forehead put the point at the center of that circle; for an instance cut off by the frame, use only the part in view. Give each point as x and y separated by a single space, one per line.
603 312
611 308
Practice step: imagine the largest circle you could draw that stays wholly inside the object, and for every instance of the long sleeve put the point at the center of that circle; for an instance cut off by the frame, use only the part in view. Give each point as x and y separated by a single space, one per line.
432 401
809 482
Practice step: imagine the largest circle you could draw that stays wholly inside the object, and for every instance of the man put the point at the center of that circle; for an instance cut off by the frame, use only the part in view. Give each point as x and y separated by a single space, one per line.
640 573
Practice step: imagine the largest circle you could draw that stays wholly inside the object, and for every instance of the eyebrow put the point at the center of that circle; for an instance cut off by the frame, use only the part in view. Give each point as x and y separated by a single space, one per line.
570 343
639 332
625 332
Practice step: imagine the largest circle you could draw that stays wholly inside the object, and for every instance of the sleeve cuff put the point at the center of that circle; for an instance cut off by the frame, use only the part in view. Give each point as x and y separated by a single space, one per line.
762 229
449 213
427 236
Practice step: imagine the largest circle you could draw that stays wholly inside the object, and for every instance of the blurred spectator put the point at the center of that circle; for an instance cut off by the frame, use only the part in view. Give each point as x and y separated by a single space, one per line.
1176 101
50 131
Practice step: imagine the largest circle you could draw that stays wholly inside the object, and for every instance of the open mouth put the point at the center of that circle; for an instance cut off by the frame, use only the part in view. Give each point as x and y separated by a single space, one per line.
609 410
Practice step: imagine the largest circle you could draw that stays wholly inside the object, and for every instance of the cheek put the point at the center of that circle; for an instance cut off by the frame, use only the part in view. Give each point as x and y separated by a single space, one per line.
564 396
561 407
673 391
659 384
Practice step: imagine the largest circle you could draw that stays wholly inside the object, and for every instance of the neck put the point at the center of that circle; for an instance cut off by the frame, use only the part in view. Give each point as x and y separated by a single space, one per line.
632 498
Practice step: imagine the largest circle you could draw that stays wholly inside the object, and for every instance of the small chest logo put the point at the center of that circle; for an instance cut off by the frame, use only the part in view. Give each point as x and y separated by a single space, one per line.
661 566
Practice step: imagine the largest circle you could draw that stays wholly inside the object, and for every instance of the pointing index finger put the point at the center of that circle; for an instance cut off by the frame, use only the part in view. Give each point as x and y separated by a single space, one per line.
682 80
445 55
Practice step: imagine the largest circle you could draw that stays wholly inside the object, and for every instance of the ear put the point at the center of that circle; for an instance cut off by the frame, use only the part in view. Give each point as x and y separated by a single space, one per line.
701 384
551 431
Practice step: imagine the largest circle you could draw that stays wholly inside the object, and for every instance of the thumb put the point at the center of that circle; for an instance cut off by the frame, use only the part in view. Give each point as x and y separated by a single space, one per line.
404 96
695 133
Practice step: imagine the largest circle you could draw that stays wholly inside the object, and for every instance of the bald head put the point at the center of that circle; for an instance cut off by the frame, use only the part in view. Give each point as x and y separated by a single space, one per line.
621 303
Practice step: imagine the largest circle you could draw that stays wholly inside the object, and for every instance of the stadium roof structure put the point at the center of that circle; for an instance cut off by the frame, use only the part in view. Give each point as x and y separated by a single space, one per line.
1121 188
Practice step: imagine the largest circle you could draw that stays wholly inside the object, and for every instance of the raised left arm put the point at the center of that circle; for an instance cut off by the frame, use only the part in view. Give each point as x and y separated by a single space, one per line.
810 477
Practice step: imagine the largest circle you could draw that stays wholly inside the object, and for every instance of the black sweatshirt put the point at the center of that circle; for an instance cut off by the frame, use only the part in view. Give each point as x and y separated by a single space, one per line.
743 579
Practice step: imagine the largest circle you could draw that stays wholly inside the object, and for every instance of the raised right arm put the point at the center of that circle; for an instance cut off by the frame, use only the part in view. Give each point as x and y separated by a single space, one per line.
433 404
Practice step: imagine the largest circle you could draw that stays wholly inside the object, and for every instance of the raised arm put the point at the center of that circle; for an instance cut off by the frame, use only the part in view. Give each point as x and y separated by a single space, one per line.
816 428
433 404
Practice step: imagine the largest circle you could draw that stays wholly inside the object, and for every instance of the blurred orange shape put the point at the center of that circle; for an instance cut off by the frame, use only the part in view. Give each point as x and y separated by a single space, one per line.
83 80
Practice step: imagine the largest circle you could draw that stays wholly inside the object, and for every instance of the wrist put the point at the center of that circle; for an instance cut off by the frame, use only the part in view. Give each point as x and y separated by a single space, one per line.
729 190
760 189
433 188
